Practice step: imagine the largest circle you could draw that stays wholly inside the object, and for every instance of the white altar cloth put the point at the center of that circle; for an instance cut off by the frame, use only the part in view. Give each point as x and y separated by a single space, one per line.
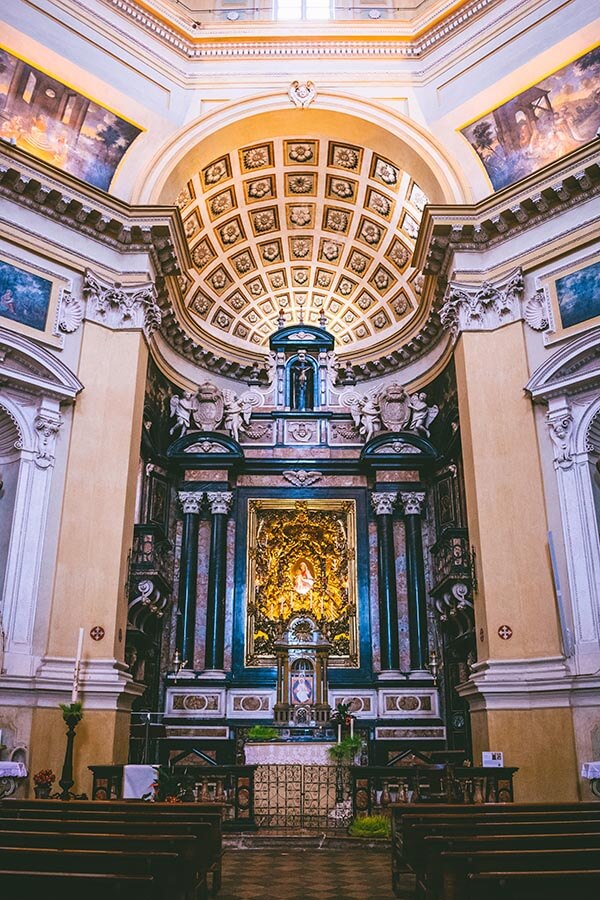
590 770
13 770
281 753
137 781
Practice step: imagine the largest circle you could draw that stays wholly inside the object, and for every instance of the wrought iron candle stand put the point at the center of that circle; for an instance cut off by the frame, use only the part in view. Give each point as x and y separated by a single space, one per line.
72 716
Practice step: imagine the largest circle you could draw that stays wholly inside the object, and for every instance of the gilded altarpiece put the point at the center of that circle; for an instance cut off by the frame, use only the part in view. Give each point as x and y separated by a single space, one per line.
301 562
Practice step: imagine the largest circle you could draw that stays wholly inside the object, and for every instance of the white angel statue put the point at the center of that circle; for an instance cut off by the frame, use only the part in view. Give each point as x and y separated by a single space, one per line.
232 414
181 410
419 415
365 414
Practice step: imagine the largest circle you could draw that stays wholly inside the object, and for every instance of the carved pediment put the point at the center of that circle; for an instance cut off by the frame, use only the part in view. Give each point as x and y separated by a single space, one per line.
572 368
24 366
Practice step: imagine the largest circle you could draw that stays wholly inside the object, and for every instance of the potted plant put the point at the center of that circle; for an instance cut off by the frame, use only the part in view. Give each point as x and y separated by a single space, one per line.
372 827
346 750
262 733
43 781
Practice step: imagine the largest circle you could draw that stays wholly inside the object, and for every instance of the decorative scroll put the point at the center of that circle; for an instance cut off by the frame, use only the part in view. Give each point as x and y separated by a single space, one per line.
301 561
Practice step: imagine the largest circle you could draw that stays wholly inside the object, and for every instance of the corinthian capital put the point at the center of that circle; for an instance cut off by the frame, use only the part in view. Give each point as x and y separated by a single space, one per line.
383 502
191 501
484 307
119 306
412 502
219 502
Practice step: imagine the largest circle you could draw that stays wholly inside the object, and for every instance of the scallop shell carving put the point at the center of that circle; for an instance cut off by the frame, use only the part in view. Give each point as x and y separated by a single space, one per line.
536 312
71 314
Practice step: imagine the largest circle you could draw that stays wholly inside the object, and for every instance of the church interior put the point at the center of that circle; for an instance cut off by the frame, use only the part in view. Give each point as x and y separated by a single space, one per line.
300 416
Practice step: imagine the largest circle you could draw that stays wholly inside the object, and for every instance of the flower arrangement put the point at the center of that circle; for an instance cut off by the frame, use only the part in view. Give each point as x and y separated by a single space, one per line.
44 777
171 786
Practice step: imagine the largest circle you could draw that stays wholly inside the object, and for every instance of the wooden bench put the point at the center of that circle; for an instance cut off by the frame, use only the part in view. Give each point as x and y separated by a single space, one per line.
124 815
415 825
75 885
436 847
452 877
583 885
174 878
206 856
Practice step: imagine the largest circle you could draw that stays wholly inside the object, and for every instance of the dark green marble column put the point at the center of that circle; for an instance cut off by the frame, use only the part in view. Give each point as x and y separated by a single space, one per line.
412 505
219 503
188 570
383 506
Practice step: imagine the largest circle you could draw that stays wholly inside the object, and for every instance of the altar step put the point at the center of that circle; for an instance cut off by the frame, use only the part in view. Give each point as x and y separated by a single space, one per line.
284 841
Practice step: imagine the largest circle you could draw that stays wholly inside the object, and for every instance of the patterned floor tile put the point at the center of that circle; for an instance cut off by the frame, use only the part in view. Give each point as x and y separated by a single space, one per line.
309 875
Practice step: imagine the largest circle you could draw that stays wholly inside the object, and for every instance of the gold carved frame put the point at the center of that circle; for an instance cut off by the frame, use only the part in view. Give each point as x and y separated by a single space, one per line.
301 561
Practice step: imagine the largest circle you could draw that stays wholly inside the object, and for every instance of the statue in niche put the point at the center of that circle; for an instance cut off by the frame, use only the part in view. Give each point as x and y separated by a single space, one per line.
304 578
419 414
302 384
181 410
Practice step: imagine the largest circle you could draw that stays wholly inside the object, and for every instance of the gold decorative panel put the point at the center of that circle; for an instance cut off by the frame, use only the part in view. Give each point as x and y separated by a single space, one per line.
301 561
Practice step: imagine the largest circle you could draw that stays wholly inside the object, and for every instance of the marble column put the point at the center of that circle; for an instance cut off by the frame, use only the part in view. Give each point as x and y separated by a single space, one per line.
188 573
383 506
412 505
219 503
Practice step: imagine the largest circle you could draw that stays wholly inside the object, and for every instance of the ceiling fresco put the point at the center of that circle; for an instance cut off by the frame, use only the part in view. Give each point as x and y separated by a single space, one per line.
315 230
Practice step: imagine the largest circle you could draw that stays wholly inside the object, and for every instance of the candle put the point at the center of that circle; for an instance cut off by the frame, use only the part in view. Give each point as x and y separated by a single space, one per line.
339 734
351 727
76 670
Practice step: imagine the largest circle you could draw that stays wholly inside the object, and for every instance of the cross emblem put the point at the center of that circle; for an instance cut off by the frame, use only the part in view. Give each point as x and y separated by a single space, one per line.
505 632
97 633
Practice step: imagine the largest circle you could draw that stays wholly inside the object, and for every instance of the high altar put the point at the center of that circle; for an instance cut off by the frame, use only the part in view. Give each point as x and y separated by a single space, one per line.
304 521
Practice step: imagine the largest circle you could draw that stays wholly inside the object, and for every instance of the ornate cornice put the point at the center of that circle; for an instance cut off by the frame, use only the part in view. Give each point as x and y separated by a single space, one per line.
263 40
156 230
561 185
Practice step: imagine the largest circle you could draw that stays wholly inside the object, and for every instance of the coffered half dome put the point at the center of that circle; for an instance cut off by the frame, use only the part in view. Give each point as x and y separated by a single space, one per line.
302 216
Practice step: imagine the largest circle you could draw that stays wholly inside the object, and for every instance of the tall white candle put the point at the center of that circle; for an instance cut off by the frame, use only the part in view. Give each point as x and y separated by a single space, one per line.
75 690
351 727
339 734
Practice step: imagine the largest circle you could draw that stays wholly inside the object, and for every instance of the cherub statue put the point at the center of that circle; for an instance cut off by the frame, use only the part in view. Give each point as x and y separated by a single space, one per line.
365 413
181 410
233 416
419 415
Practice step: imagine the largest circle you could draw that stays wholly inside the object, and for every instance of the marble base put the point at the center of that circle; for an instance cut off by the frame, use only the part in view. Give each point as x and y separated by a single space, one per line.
281 753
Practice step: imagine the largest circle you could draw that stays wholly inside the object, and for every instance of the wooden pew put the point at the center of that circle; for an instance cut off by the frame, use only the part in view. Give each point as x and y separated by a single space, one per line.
435 848
455 867
534 885
174 878
412 824
205 857
152 816
75 885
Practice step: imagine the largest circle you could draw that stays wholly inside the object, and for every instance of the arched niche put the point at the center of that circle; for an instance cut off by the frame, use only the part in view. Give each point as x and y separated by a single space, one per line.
35 385
568 384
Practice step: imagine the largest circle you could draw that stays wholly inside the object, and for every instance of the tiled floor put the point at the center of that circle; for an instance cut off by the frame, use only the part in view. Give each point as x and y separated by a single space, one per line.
309 874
